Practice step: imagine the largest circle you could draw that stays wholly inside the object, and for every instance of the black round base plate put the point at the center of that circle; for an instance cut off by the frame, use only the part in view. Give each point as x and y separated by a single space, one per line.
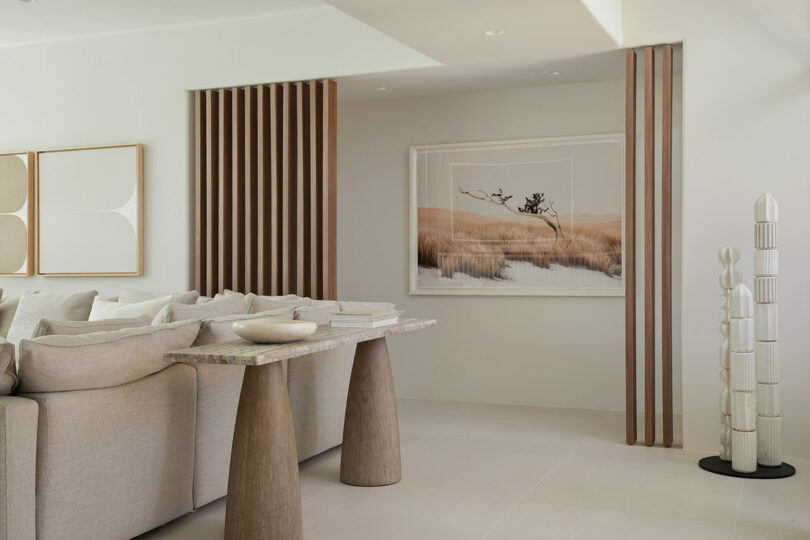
718 466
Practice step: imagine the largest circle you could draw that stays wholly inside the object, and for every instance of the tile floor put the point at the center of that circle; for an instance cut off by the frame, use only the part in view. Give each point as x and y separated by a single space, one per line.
498 472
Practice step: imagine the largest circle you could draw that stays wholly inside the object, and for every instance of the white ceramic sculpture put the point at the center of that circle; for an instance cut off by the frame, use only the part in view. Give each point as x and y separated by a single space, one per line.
729 278
766 270
743 398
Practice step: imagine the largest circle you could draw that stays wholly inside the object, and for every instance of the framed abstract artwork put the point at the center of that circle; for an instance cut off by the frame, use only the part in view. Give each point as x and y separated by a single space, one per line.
17 214
90 211
522 217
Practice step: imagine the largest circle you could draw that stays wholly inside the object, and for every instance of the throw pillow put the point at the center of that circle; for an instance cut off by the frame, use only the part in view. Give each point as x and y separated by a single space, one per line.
131 296
36 305
101 359
106 309
8 368
8 308
232 304
347 306
47 327
256 303
320 314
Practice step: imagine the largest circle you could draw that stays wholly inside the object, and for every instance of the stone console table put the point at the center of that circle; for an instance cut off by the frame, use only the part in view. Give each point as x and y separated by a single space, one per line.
264 498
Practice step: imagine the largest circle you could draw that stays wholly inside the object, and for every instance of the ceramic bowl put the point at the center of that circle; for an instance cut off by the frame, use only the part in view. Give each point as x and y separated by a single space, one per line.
274 330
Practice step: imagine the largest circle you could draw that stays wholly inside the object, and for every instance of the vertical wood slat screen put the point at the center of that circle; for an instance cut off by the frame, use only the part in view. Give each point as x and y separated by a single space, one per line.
265 189
649 201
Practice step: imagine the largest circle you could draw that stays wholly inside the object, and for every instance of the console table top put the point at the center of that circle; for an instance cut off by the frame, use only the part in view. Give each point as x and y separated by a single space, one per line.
245 353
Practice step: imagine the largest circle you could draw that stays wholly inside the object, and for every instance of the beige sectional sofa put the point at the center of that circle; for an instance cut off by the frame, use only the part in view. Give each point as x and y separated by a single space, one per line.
104 439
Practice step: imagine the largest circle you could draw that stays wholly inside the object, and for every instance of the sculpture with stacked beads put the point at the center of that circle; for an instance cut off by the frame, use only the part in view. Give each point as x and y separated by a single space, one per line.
743 381
729 278
766 270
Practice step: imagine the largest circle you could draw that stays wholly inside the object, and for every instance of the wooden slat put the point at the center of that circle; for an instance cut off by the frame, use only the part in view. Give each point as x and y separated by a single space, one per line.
200 203
330 188
288 270
630 247
276 125
238 185
302 243
212 189
265 230
251 190
315 188
224 216
666 243
649 246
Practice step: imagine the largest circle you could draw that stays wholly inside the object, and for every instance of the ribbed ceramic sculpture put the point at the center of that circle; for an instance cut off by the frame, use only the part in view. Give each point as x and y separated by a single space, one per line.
729 278
766 270
743 377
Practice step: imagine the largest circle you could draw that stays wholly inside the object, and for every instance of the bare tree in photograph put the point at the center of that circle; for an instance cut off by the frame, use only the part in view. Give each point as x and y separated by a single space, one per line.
536 206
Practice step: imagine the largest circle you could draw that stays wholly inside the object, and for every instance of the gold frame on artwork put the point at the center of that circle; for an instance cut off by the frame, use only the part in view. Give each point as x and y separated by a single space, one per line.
139 228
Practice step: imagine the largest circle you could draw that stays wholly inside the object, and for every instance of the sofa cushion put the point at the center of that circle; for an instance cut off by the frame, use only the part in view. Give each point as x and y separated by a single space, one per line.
346 306
256 303
232 304
47 327
220 329
7 309
110 309
130 296
8 368
320 314
37 305
101 359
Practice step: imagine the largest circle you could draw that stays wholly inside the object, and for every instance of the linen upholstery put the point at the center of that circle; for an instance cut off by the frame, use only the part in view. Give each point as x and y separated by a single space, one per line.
8 308
318 385
129 296
18 453
220 329
320 314
101 359
34 306
8 368
231 304
115 462
256 303
112 309
47 327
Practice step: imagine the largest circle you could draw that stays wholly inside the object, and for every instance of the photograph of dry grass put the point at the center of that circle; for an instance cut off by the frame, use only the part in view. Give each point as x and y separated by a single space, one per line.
531 217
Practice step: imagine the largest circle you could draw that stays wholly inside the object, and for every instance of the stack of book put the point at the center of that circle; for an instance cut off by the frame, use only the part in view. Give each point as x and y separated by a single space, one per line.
364 318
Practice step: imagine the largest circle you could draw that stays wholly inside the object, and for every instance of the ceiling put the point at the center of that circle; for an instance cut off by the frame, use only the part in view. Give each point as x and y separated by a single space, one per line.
24 23
540 36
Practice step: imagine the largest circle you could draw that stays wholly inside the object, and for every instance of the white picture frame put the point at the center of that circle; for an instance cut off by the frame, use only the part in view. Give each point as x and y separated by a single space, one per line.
567 166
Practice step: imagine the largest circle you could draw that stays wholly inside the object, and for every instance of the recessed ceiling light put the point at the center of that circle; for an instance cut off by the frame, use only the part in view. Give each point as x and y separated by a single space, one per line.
383 88
492 33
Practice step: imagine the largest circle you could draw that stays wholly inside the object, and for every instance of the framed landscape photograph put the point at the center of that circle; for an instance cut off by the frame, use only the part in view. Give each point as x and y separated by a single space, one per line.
523 217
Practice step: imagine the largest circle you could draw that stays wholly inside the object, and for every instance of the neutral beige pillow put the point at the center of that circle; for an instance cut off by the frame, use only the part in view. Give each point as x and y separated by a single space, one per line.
1 293
101 359
346 306
106 309
38 305
203 299
220 329
320 314
8 308
256 303
47 327
131 296
8 368
232 304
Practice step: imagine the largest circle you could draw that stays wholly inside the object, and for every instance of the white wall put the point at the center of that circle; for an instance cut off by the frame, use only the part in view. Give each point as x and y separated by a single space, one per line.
746 114
132 87
548 351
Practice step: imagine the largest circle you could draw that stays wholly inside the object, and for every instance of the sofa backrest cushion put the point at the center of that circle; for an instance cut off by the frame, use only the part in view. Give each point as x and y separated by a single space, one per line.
131 296
320 313
100 359
346 306
38 305
256 303
232 304
8 308
112 309
47 327
220 329
8 368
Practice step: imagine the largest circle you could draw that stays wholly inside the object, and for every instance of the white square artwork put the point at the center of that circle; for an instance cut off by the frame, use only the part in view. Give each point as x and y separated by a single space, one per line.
90 211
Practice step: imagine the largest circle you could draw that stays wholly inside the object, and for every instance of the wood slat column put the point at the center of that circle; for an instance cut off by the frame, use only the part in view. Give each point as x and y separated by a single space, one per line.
264 189
666 244
649 246
630 247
